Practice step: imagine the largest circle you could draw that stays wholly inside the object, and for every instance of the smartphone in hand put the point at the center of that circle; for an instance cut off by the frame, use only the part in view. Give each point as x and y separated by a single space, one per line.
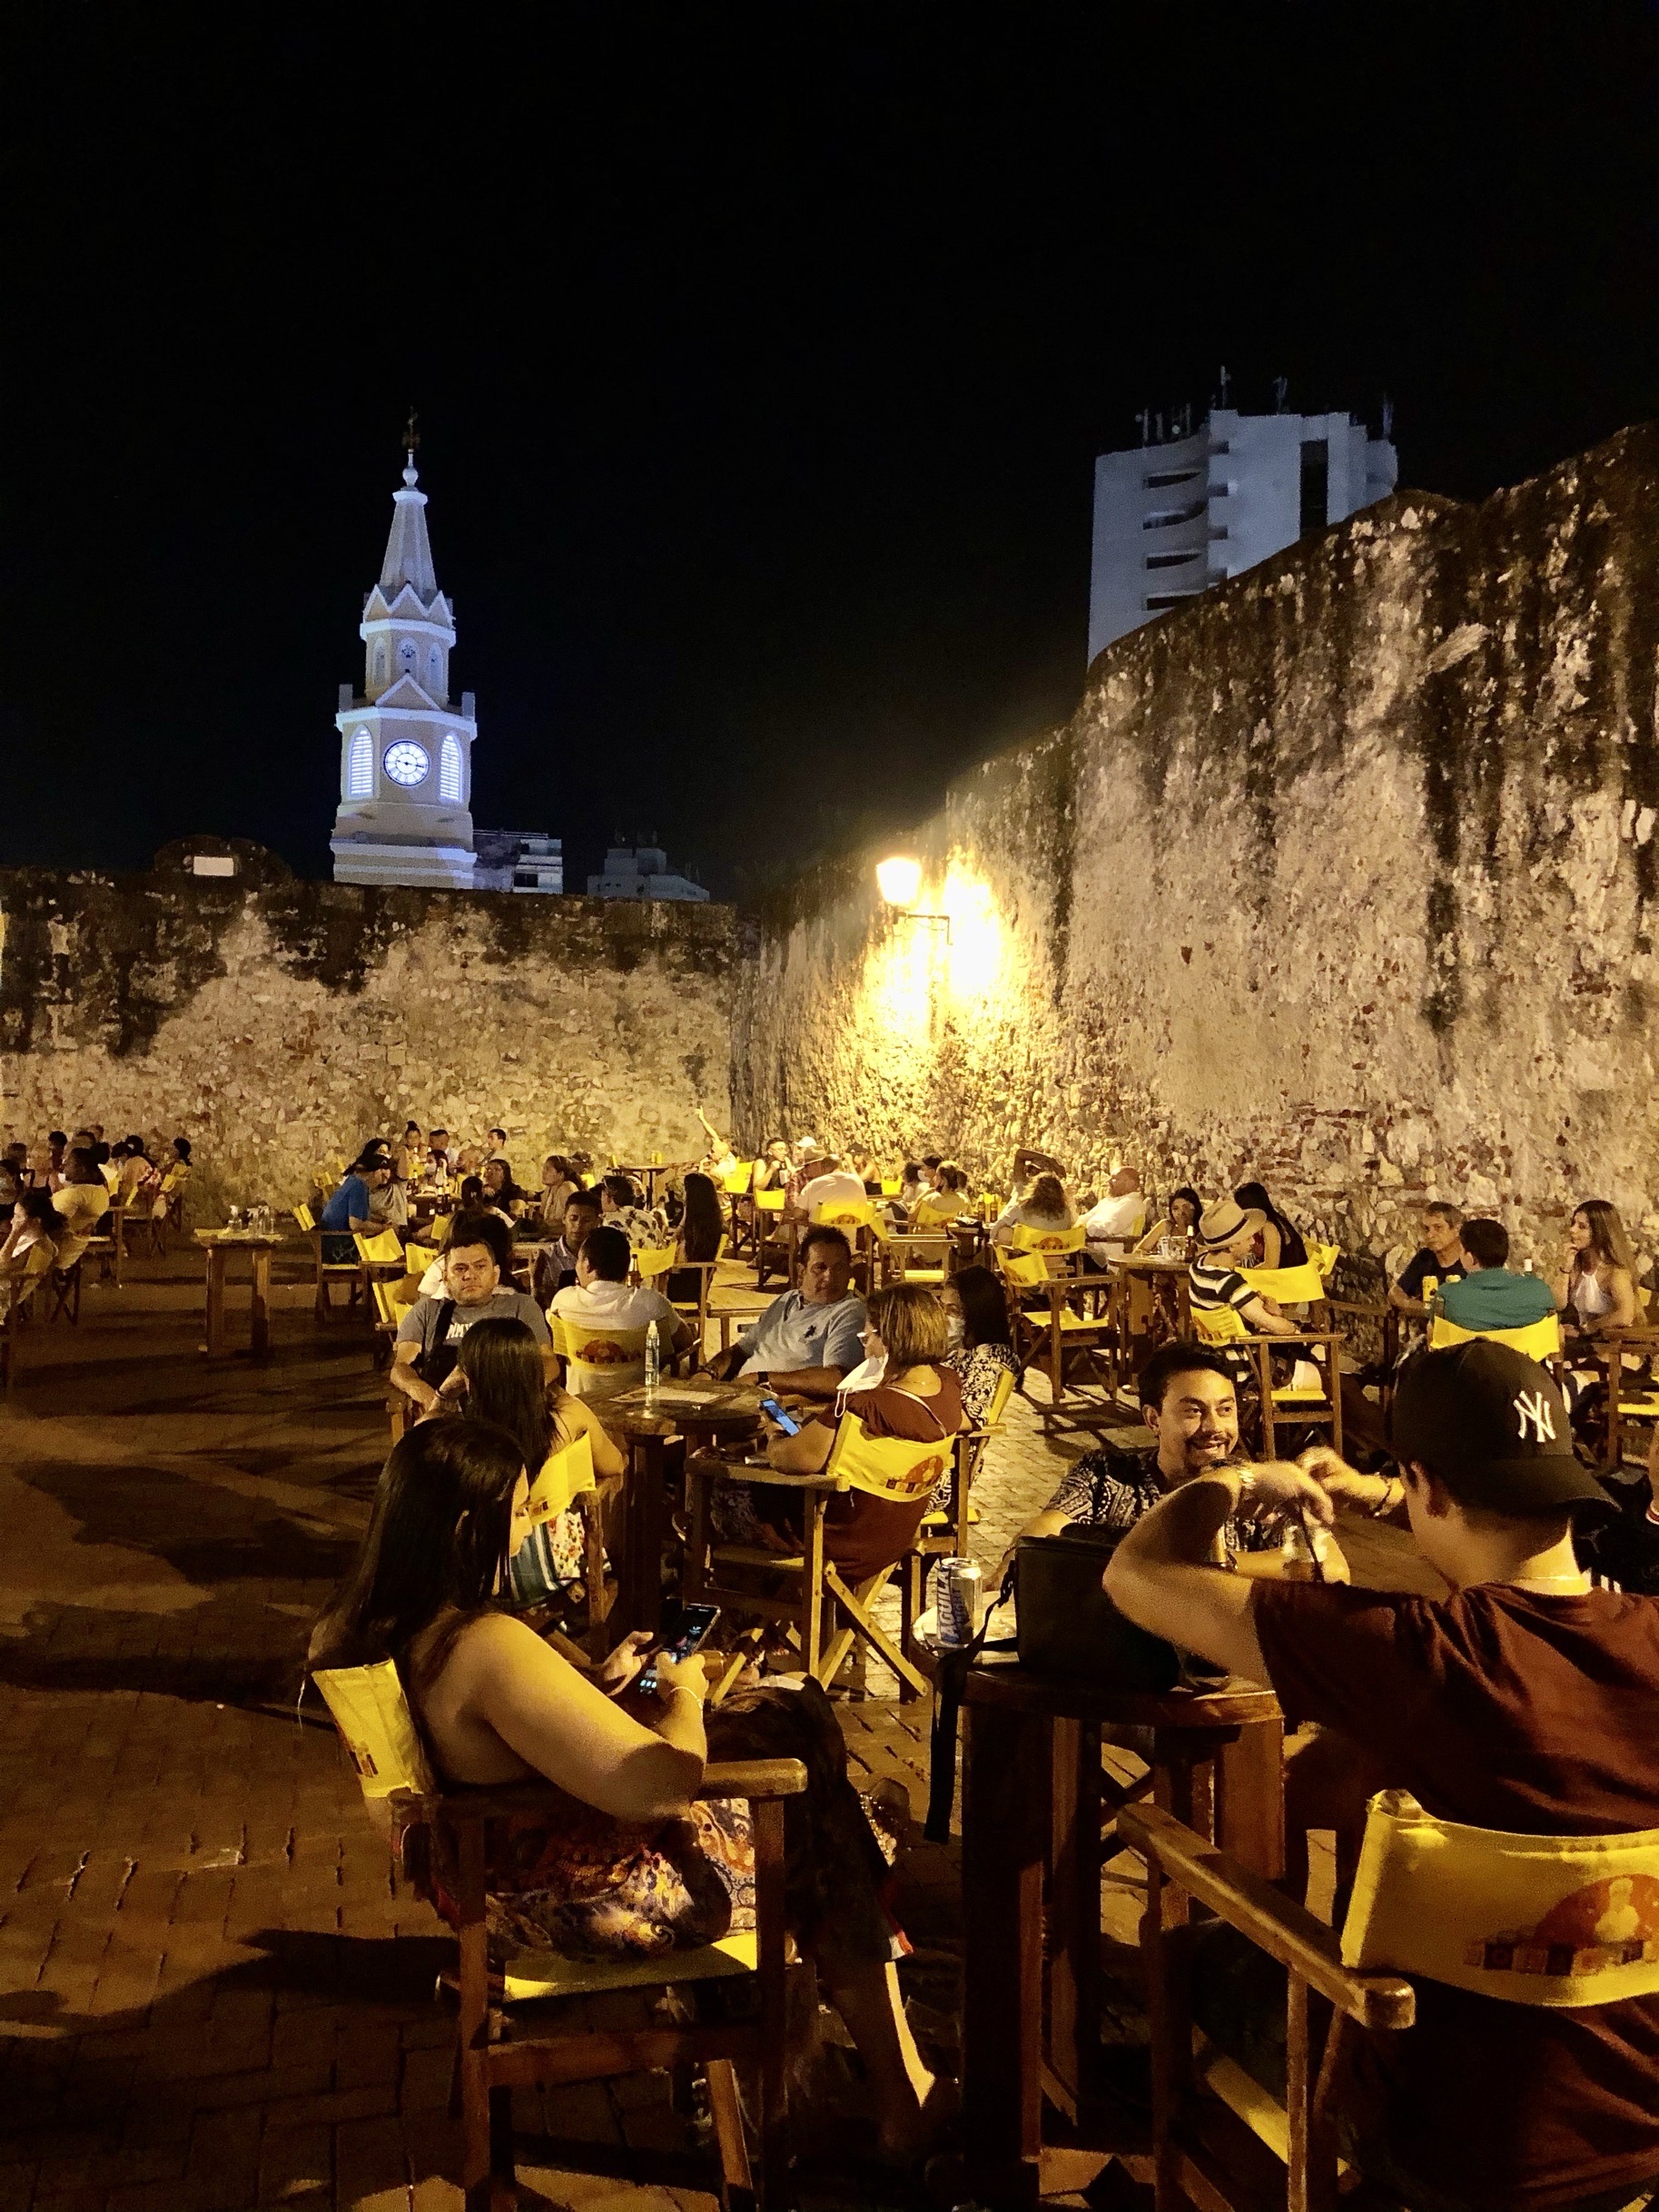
692 1631
785 1421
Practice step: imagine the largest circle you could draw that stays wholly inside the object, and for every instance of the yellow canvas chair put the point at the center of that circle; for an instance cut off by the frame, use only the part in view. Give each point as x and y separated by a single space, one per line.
859 1223
910 1256
943 1533
383 1249
653 1266
773 1250
496 2048
1057 1246
1539 1340
1301 1402
1544 1920
418 1257
652 1262
890 1186
736 1189
166 1209
935 1212
347 1271
823 1615
601 1362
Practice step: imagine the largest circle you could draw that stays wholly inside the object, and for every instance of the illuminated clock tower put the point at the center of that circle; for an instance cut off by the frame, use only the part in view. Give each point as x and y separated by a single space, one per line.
405 752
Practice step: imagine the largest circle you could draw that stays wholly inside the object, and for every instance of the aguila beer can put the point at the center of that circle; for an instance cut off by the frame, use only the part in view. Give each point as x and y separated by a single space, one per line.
958 1603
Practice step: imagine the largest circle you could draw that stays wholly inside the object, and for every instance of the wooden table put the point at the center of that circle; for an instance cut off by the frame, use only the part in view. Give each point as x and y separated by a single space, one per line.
1168 1289
698 1412
1031 1809
218 1244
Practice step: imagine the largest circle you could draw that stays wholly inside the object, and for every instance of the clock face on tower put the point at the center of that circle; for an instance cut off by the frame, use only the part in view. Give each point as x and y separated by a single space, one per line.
405 762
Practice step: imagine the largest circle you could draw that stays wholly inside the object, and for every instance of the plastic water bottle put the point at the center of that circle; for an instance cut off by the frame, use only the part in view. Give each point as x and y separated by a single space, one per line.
654 1360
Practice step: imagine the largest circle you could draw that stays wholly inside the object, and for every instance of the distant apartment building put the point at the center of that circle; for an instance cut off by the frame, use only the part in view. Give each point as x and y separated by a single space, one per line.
519 860
640 874
1174 517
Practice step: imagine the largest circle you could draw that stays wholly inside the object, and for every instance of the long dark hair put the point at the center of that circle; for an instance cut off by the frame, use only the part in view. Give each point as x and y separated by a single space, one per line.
506 1385
1293 1251
984 1309
701 1228
437 1537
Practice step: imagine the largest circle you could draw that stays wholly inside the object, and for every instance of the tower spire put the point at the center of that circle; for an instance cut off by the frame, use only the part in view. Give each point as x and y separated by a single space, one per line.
411 445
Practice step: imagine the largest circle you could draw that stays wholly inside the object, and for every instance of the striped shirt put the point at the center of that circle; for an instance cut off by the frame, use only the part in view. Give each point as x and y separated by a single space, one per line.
1213 1289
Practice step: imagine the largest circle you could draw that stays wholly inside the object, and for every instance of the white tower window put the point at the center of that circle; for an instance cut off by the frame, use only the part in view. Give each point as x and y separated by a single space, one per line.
434 668
406 657
360 766
380 661
450 770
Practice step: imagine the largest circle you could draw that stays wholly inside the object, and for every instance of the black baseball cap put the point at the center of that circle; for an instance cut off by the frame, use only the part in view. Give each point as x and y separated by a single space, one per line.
1492 1426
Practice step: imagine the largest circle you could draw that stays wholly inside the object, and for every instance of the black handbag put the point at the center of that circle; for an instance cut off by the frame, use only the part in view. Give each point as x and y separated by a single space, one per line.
1067 1624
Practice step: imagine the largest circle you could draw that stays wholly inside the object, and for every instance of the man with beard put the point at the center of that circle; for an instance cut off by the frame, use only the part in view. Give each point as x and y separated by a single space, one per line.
1189 1403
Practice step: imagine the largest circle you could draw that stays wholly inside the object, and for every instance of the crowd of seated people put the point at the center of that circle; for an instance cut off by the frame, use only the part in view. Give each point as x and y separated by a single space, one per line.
1491 2098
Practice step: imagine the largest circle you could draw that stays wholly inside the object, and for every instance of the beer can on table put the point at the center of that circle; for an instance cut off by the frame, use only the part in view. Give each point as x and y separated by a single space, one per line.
957 1603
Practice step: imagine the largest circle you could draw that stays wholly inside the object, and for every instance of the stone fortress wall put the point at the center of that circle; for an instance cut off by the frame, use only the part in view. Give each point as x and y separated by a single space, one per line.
277 1022
1344 877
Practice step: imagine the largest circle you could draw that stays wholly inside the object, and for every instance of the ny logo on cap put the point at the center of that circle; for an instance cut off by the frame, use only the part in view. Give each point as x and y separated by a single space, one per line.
1534 1412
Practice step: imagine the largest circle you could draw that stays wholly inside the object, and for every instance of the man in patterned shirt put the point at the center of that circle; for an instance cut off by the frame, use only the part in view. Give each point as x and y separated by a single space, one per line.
1189 1403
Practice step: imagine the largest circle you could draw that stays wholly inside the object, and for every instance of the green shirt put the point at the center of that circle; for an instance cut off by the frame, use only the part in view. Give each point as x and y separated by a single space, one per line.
1494 1298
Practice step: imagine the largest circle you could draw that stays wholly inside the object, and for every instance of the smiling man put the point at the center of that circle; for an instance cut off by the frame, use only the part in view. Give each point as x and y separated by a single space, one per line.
1189 1403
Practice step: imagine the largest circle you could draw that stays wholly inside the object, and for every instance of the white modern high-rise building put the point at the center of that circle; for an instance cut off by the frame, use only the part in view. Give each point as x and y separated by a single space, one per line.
405 750
1174 518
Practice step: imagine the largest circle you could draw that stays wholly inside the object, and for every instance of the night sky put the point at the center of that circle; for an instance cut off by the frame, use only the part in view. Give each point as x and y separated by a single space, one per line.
762 355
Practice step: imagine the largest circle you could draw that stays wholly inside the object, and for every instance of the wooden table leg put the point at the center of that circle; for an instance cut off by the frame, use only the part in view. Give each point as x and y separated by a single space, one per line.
1251 1794
216 1257
1004 1819
640 1579
259 1302
1074 1918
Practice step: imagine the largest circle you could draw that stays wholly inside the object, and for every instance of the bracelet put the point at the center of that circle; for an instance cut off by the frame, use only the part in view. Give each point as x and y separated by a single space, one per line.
1387 1503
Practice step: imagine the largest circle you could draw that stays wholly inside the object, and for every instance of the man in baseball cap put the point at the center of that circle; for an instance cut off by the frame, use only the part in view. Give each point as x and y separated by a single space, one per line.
1525 1699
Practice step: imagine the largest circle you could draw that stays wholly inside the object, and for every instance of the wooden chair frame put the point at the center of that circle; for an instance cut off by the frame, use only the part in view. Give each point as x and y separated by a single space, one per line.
350 1272
493 2058
1609 1354
63 1287
1049 1340
23 1297
772 1249
822 1615
1328 1414
1203 2153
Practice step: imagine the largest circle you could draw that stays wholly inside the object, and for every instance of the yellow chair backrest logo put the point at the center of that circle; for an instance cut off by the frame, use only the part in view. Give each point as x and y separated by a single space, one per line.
886 1467
1533 1919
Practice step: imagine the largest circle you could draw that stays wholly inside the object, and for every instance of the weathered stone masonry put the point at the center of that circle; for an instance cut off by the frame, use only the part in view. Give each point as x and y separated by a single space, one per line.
276 1024
1344 877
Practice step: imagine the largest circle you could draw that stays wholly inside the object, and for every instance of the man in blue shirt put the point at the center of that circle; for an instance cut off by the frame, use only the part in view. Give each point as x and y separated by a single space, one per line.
1489 1296
808 1339
348 1210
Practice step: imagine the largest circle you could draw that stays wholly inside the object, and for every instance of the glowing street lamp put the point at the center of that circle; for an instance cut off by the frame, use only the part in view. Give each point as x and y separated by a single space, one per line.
899 878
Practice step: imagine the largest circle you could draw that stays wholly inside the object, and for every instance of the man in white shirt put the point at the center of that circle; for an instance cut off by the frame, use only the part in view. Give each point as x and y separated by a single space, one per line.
601 1299
1117 1220
828 1183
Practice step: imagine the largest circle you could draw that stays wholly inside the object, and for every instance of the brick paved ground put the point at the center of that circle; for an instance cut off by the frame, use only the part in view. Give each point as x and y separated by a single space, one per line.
211 1993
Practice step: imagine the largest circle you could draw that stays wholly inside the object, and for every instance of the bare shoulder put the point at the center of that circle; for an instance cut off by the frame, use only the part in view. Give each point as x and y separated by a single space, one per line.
497 1645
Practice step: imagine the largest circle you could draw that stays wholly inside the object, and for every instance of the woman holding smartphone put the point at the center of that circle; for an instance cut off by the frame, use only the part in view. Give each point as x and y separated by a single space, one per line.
632 1862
